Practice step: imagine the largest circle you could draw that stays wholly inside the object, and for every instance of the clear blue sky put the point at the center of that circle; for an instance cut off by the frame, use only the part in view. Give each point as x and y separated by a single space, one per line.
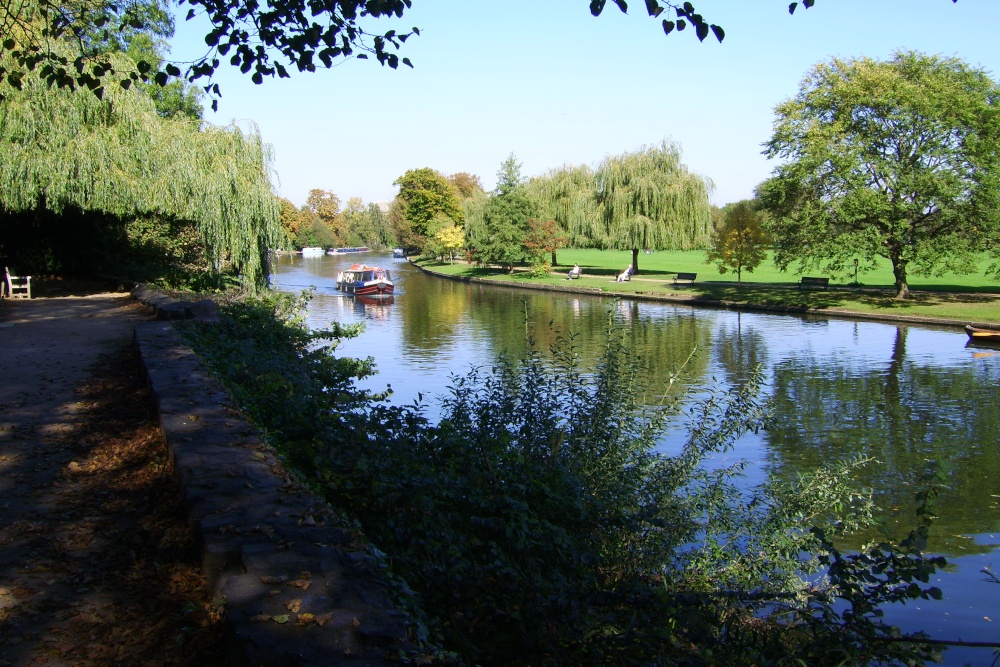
546 81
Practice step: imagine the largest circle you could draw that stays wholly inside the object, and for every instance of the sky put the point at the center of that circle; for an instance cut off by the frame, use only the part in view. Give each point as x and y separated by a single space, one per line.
552 85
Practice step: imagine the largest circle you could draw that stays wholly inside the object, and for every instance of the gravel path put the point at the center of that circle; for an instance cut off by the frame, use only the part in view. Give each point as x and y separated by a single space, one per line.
96 561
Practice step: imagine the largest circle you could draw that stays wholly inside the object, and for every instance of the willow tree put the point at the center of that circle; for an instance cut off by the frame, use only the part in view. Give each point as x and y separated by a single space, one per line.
68 153
649 199
566 195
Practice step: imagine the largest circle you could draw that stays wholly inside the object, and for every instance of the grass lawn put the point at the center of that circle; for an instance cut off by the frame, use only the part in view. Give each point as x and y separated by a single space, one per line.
970 298
664 264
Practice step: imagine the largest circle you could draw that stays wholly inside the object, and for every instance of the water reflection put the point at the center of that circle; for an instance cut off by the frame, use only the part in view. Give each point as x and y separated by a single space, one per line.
902 394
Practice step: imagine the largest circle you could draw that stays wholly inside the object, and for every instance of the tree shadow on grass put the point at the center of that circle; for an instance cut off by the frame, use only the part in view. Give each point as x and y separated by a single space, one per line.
819 299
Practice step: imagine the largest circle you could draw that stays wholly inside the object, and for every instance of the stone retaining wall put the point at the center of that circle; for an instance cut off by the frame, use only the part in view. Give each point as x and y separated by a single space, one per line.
298 589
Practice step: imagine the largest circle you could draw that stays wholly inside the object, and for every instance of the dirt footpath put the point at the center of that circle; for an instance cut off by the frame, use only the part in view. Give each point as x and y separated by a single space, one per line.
96 562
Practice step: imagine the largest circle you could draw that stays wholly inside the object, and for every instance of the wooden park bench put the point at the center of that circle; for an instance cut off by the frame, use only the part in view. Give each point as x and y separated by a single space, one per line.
685 277
809 281
575 272
18 287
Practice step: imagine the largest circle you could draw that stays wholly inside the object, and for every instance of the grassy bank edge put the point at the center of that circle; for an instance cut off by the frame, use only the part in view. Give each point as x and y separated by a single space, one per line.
924 307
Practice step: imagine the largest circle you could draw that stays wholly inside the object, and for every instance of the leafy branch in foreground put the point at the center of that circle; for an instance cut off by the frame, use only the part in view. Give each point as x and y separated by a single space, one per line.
540 522
267 40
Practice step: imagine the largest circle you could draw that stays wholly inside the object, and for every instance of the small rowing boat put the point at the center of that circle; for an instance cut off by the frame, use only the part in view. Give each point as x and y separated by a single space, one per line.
983 336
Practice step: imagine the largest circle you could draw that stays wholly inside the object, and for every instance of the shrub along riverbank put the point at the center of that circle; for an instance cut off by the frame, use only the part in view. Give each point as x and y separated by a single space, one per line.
954 299
539 525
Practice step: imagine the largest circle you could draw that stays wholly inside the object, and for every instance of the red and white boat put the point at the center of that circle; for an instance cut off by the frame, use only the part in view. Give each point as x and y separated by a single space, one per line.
363 280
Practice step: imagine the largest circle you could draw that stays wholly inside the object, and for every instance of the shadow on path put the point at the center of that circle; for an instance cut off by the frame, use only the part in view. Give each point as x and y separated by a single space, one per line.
96 562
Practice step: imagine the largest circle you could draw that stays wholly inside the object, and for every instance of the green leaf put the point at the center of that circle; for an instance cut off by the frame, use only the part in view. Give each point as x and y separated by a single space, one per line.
719 33
596 7
702 31
9 44
654 8
791 7
668 26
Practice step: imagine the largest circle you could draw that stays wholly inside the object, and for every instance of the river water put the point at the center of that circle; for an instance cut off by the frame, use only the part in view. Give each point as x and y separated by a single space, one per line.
903 394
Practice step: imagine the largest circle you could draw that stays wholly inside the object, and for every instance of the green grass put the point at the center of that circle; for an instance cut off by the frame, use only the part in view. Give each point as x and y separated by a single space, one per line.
664 264
971 298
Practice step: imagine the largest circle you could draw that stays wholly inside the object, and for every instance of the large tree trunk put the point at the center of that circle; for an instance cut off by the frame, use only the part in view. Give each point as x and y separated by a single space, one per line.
635 261
899 272
553 258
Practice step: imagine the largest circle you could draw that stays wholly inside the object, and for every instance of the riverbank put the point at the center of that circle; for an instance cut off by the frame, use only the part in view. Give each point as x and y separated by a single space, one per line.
943 308
145 523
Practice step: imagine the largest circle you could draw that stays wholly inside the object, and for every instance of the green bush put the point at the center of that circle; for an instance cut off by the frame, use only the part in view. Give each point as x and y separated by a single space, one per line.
539 524
540 269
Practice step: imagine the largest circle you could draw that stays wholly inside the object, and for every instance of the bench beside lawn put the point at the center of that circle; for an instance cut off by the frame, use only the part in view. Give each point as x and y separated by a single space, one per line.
968 298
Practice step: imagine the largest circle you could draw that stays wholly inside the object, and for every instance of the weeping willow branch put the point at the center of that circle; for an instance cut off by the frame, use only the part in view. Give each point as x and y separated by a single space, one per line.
66 149
649 199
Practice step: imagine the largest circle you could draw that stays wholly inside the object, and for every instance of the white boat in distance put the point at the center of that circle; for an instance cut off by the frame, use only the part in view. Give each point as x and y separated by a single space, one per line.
313 252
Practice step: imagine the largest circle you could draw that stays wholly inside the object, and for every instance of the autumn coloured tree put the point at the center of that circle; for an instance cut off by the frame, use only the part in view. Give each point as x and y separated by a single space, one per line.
324 206
450 240
292 218
544 237
424 195
738 242
467 185
895 160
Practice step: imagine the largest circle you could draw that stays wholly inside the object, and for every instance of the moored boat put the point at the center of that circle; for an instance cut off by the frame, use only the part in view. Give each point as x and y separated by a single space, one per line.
398 253
982 336
364 280
313 252
341 251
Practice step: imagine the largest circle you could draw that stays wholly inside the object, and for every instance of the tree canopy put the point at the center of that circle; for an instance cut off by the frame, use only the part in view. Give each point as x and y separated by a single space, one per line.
649 199
424 195
66 152
497 234
568 196
271 40
895 159
738 242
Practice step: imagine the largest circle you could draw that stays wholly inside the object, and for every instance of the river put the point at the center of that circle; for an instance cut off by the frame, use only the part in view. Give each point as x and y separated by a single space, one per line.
903 394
